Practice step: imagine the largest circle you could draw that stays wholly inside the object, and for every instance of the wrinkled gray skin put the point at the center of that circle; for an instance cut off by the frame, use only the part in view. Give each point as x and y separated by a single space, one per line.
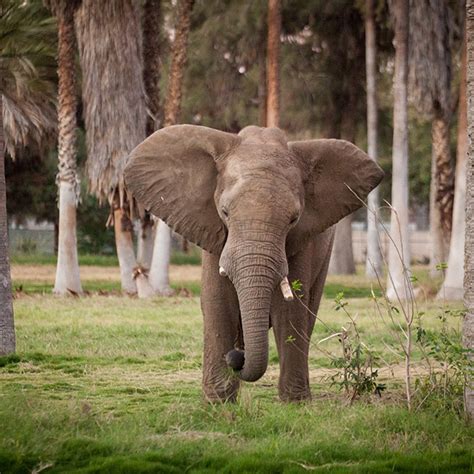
262 209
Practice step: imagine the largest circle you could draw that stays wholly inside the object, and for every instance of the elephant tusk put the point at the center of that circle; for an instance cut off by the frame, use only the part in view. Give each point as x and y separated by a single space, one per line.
286 290
222 272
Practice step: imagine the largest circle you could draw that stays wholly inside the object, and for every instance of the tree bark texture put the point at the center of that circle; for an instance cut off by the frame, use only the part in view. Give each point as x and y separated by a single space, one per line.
159 272
7 326
152 47
178 62
67 271
146 236
109 36
273 66
125 252
398 284
374 261
468 326
441 192
262 83
342 257
452 288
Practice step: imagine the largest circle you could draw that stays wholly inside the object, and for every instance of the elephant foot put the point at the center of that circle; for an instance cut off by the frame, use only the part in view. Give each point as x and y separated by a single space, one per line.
217 396
224 389
295 392
295 397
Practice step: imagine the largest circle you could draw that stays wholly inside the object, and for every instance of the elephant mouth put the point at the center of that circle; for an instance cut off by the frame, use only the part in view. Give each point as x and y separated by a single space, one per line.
284 286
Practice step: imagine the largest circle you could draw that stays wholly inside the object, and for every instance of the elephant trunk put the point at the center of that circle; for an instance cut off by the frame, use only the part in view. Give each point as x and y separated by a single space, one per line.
255 273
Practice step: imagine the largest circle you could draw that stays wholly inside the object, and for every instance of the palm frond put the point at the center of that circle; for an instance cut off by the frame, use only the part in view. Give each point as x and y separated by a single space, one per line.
27 74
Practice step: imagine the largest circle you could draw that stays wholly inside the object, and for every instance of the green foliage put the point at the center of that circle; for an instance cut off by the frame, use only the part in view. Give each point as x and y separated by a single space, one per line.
27 74
357 375
93 236
448 361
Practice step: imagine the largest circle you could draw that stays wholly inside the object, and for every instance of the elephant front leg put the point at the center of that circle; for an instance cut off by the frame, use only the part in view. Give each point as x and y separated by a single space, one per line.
293 323
222 332
292 334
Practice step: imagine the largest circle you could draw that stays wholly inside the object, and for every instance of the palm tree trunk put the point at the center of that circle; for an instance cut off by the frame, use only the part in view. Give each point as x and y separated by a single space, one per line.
123 228
373 267
441 192
342 256
159 273
151 76
146 237
398 285
67 271
452 288
7 326
152 62
262 84
110 50
273 57
468 326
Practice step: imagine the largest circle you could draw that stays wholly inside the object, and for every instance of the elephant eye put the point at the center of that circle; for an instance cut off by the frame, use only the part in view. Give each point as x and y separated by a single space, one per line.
294 220
225 212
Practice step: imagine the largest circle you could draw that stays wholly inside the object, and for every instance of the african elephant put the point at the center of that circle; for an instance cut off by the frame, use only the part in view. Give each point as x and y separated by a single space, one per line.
261 208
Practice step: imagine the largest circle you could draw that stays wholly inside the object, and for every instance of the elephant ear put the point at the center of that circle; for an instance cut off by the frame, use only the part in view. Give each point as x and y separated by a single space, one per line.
173 174
339 178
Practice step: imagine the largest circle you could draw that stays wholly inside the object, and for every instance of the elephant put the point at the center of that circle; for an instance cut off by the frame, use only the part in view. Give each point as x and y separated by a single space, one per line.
262 209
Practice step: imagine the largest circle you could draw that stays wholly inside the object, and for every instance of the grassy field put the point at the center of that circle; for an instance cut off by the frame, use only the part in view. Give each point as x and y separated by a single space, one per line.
106 383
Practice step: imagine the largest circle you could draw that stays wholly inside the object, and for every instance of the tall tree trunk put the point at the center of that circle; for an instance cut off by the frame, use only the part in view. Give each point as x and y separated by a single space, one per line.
441 192
452 288
342 256
7 326
146 237
374 263
273 67
398 285
67 271
262 80
151 75
123 228
468 326
152 62
109 37
159 273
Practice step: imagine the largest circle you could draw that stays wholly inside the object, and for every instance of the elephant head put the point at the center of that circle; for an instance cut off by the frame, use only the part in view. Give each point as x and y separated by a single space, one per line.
254 199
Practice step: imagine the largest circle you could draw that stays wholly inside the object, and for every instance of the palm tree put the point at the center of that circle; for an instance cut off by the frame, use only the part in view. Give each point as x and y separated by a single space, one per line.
468 326
109 37
7 326
151 69
273 57
431 29
452 287
159 273
67 271
373 266
398 285
27 116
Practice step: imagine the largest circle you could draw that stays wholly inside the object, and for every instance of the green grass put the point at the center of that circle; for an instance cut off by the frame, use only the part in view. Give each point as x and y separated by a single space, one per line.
193 257
112 384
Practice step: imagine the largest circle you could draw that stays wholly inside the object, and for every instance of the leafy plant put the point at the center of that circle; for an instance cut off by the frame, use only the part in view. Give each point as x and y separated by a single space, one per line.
448 363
